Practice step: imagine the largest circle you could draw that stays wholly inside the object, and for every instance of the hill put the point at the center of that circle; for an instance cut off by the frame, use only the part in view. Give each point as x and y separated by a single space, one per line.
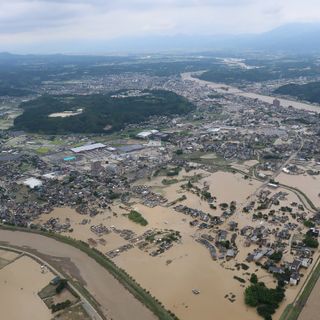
309 91
229 75
101 113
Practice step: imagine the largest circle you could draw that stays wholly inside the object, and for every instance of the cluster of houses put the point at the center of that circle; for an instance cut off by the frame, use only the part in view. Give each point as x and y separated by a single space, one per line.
153 241
149 198
99 230
208 221
115 252
219 247
270 255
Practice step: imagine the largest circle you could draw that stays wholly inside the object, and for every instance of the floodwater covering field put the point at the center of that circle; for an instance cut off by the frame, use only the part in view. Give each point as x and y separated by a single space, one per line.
172 276
311 309
310 185
20 282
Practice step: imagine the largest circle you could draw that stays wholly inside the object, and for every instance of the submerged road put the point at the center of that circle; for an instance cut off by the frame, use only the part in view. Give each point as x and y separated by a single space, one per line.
115 301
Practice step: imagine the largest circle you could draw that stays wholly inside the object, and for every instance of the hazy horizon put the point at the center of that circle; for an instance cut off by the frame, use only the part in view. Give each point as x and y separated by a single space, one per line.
52 26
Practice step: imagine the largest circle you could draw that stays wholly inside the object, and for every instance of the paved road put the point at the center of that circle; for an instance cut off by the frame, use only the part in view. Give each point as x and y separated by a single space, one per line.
115 301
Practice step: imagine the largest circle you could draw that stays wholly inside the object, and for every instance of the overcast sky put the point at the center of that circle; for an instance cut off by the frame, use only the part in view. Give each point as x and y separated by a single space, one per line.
40 22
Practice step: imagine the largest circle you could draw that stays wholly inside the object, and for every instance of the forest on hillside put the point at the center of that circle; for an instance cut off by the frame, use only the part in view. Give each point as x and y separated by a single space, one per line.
101 112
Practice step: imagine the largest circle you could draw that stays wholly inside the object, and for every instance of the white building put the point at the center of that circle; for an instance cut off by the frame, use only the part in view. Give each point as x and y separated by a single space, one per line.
88 147
32 183
146 134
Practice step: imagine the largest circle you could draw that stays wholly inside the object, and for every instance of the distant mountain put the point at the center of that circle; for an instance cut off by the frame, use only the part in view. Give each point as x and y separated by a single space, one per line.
301 37
297 38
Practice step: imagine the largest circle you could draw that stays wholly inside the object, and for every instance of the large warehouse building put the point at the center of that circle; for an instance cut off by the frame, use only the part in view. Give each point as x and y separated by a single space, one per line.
88 147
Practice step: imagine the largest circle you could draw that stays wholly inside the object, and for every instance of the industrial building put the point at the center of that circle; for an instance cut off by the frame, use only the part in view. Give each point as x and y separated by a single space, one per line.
88 147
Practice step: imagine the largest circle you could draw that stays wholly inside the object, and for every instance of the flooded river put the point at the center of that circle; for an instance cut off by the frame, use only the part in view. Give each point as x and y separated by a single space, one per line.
223 88
115 301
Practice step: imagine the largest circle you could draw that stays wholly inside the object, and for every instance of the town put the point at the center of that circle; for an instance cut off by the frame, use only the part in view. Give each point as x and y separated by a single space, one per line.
232 186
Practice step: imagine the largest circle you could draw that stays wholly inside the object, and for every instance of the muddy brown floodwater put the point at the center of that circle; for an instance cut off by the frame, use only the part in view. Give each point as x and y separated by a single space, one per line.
20 281
115 301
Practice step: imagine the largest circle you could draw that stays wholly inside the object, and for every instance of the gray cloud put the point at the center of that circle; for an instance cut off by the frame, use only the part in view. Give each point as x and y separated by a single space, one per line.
21 16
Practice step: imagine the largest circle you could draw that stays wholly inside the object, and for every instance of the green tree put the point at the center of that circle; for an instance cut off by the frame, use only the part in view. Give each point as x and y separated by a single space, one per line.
253 278
310 242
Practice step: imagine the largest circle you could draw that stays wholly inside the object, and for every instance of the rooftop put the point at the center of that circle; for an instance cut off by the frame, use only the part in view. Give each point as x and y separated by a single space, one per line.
88 147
